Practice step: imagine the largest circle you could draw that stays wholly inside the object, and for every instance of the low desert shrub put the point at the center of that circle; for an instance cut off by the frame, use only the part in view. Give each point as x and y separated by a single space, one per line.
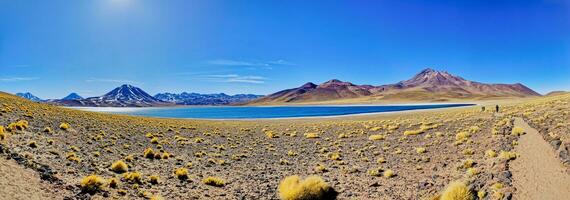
414 132
18 126
113 183
181 173
456 191
490 153
64 126
3 135
148 153
47 130
214 181
518 131
376 137
462 136
334 156
153 179
312 187
133 177
388 173
507 155
420 150
119 167
33 144
92 184
312 135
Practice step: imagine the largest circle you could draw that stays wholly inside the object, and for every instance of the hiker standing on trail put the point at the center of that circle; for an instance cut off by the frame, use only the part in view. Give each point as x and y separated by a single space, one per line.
496 108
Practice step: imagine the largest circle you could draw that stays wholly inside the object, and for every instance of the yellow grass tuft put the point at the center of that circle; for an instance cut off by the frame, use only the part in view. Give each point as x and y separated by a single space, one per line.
133 177
507 155
33 144
518 131
92 184
148 153
3 135
156 197
334 156
214 181
312 135
114 183
153 179
312 187
456 191
64 126
47 130
18 126
181 173
490 153
462 136
388 173
377 137
414 132
420 150
119 167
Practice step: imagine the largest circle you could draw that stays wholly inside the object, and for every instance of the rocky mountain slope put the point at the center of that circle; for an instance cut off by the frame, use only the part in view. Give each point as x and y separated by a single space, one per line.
29 96
131 96
72 96
428 85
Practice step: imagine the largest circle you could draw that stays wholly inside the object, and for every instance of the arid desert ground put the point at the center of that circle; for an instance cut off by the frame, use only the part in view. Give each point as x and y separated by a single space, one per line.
50 152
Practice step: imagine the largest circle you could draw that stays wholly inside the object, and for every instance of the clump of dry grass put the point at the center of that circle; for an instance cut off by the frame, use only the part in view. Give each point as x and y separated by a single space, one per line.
47 130
113 183
92 184
214 181
33 144
420 150
490 153
133 177
388 173
461 136
153 179
181 173
148 153
334 156
518 131
3 134
507 155
64 126
312 187
312 135
18 126
456 190
119 167
376 137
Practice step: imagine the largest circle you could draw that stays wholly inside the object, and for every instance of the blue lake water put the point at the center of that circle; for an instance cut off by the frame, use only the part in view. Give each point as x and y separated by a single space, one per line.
255 112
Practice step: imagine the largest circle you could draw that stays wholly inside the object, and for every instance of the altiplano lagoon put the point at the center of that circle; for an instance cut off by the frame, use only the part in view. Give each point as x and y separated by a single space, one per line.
258 112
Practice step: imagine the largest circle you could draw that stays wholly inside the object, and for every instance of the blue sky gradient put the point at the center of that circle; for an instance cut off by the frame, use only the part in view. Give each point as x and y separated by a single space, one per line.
55 47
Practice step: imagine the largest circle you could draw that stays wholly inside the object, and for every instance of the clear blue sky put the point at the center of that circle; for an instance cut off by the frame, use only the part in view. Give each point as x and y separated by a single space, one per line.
53 47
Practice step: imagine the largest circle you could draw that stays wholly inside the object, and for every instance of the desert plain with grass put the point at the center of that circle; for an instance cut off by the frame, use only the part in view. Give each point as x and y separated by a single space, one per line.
455 153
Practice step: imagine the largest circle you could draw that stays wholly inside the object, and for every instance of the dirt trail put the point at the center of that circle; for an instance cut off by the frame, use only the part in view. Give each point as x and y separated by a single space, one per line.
538 173
19 183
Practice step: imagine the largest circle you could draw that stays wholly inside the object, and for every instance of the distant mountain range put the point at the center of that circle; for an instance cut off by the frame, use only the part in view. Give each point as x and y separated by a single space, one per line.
72 96
29 96
428 85
185 98
131 96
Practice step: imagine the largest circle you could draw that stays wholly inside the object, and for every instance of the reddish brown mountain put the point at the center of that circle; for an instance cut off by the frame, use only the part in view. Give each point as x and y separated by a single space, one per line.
428 85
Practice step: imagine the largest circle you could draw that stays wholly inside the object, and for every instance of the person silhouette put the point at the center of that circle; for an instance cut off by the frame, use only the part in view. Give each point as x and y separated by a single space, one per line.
496 108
